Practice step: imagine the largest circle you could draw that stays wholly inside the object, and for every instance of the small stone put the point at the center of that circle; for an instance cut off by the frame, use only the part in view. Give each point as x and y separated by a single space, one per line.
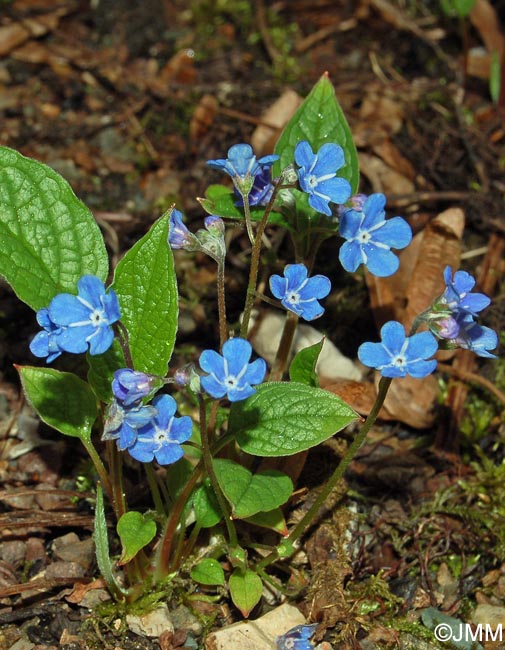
183 619
70 548
152 624
35 550
64 570
491 615
13 552
256 635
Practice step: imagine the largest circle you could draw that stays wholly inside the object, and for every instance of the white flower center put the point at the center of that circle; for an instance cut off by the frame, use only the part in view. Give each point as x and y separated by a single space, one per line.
98 318
364 237
313 181
293 297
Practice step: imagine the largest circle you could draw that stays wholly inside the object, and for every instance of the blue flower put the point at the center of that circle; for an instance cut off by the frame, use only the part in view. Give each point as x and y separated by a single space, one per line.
399 355
231 373
122 423
45 343
317 175
178 235
370 238
131 386
299 293
474 337
76 323
457 295
162 437
298 638
242 163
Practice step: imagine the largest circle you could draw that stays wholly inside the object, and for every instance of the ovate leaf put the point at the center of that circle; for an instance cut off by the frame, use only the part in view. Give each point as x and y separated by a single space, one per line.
49 238
303 366
135 531
251 493
245 590
283 418
62 400
207 511
319 120
146 286
208 572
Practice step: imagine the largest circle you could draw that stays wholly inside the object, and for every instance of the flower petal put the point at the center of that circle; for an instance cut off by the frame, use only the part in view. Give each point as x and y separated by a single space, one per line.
318 286
350 256
212 386
211 361
90 289
373 210
256 372
168 453
278 286
421 368
393 336
338 189
421 346
66 309
380 262
237 353
395 233
373 355
304 156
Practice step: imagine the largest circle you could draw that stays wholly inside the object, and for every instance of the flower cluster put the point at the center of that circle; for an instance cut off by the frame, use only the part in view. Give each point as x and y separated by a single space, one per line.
231 374
299 293
146 431
243 167
452 316
370 238
77 323
209 240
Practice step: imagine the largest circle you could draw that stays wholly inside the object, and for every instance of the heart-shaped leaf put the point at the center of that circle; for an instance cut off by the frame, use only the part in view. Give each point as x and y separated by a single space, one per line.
208 572
206 507
245 589
135 531
283 418
251 493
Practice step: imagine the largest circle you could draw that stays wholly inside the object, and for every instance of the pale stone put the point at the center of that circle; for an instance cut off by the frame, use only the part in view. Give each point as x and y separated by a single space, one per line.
256 635
491 615
331 364
152 624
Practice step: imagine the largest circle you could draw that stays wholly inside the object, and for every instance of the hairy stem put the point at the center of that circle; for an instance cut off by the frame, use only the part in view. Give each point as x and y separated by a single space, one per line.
288 334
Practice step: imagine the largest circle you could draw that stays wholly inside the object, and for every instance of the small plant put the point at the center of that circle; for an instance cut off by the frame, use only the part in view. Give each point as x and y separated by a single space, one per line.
54 257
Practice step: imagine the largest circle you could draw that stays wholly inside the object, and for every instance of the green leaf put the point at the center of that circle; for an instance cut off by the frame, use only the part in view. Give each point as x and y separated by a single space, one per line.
495 77
208 572
49 238
102 368
146 286
273 520
318 120
220 200
62 400
459 8
101 540
251 493
303 366
207 511
135 532
245 590
283 418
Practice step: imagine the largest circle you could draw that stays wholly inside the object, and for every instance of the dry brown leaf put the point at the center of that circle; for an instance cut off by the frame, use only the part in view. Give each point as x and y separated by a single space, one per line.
203 117
382 177
11 36
412 400
485 20
440 246
360 395
274 120
392 156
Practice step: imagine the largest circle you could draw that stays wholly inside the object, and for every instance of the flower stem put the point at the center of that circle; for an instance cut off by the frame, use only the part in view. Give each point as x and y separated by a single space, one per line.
288 333
100 468
221 304
155 489
162 558
248 222
209 468
255 257
337 475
